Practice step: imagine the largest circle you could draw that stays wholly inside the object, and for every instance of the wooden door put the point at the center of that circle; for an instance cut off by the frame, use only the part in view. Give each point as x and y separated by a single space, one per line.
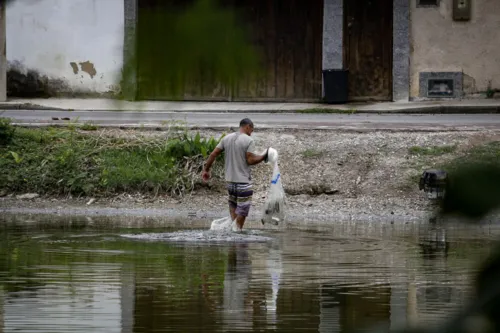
368 48
288 35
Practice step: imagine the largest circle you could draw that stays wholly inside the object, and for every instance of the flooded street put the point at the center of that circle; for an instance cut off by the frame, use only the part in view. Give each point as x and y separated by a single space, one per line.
77 277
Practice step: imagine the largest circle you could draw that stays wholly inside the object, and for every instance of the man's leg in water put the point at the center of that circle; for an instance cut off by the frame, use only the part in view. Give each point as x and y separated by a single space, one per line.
244 202
240 220
232 199
232 212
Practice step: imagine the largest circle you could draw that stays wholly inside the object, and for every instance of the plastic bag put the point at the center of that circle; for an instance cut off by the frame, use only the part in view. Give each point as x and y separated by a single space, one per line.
274 207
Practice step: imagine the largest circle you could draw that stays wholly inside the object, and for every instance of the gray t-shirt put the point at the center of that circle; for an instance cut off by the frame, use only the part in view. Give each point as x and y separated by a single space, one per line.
235 147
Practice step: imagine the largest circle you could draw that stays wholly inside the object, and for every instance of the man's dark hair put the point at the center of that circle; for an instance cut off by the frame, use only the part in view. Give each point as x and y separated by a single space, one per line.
246 121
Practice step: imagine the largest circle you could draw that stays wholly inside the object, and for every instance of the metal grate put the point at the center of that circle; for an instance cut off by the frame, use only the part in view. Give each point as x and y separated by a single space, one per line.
440 88
427 3
441 84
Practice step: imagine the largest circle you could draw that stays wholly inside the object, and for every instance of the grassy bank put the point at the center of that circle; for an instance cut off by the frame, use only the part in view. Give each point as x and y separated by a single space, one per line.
62 161
451 160
487 153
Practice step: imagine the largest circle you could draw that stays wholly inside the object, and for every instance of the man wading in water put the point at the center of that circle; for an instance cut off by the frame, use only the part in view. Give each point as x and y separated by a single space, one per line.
240 154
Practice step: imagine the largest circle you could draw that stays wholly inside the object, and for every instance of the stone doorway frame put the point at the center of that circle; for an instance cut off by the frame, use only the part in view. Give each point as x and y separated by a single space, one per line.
333 30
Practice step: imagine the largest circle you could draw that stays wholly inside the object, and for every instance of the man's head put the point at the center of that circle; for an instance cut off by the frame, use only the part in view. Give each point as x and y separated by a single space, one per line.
246 126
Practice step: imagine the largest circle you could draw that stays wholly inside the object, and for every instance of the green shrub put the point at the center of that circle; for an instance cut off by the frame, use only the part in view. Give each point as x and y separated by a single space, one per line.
6 131
64 161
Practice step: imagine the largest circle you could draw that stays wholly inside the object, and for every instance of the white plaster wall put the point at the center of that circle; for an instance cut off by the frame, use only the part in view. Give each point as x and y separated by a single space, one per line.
440 44
47 35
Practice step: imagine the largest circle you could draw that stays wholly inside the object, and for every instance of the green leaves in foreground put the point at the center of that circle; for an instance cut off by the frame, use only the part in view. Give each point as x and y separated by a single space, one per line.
473 190
6 131
64 161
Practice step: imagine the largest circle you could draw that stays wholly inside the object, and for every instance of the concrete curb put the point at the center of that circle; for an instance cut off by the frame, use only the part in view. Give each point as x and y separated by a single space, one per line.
28 106
263 128
449 109
327 109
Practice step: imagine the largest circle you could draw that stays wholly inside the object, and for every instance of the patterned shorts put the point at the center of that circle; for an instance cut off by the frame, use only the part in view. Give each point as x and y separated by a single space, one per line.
240 197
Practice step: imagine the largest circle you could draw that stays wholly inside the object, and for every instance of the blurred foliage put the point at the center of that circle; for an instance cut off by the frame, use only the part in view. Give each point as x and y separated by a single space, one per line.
7 131
473 190
178 45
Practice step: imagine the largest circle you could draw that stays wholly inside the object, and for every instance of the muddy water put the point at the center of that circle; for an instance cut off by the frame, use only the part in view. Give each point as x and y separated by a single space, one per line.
76 277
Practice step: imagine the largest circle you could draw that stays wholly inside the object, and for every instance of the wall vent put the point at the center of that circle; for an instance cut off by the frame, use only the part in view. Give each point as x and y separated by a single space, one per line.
427 3
441 84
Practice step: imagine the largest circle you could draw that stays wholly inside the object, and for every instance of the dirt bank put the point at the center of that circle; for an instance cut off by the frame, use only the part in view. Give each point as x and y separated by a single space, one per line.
328 176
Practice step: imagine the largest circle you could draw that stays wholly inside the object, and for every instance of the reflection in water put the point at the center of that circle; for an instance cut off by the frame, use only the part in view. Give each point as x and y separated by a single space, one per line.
83 280
433 243
350 308
127 298
274 267
237 311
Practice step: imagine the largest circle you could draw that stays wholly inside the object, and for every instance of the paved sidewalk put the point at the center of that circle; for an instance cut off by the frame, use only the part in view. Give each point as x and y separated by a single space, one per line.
464 106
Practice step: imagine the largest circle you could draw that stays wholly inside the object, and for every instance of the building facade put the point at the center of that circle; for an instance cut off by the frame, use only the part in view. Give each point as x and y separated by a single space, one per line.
392 50
457 41
58 46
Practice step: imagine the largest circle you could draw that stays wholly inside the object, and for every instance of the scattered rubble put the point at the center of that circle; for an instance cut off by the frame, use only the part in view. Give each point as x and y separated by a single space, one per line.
27 196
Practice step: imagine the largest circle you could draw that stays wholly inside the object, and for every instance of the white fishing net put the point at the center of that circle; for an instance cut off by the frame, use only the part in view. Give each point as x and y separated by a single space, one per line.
274 207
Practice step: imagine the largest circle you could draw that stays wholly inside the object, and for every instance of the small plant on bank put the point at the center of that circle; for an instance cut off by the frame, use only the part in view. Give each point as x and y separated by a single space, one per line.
88 126
312 153
7 131
486 154
490 92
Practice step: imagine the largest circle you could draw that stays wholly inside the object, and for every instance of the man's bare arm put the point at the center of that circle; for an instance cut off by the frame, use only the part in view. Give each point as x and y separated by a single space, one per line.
211 159
253 159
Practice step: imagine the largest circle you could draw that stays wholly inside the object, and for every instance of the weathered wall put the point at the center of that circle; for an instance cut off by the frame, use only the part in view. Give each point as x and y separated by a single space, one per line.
440 44
3 54
69 46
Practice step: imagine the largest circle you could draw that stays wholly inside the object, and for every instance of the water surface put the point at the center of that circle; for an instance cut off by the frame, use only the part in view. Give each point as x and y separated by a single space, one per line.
78 278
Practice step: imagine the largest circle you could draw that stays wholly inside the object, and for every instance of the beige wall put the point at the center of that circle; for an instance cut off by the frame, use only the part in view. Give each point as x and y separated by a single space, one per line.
77 44
440 44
